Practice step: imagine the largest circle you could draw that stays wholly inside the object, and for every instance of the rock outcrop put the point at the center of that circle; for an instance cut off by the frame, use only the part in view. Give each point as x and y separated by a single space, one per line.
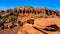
29 20
31 10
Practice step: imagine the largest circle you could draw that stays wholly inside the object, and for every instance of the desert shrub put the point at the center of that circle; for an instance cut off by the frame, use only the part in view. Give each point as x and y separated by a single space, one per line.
41 16
2 22
8 25
1 25
1 17
13 14
1 28
4 19
52 17
16 14
10 14
18 11
13 20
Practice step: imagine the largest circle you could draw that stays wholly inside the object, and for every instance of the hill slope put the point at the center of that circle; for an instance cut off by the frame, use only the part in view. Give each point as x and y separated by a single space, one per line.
27 19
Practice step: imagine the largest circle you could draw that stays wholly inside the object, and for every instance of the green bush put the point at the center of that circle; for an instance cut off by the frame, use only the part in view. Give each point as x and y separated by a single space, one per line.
13 20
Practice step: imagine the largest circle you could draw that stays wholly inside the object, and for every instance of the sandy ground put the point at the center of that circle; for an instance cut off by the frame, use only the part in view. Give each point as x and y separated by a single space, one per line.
40 23
10 31
28 28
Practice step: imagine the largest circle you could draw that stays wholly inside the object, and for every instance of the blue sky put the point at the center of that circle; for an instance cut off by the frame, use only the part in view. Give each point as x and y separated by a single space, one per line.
51 4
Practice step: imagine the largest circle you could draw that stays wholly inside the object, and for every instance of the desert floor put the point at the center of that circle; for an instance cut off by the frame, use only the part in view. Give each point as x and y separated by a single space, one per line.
40 23
29 28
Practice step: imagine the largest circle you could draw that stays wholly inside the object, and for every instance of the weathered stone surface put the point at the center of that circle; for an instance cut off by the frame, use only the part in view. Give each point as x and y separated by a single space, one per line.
31 10
29 20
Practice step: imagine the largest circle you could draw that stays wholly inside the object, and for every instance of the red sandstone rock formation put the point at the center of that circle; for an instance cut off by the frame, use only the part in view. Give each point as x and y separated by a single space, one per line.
25 18
31 10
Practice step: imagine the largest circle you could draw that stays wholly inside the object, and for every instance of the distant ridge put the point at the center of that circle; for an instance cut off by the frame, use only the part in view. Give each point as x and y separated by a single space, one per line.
30 9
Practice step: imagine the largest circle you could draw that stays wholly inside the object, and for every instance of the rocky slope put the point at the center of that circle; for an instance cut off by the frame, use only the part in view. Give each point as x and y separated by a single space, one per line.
29 20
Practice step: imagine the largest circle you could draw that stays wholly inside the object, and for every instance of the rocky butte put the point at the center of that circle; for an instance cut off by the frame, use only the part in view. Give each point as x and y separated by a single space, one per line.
30 10
29 20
